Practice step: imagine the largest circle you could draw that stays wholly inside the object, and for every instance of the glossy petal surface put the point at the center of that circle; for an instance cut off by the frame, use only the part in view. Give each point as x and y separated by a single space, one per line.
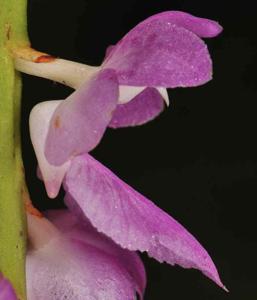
80 121
6 290
77 265
143 108
131 220
160 53
81 229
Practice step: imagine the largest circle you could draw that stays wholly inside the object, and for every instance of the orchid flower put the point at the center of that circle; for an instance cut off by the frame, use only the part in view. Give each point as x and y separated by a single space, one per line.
89 251
6 290
69 259
163 51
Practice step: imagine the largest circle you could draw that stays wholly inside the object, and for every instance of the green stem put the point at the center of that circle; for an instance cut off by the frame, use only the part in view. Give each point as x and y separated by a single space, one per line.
13 33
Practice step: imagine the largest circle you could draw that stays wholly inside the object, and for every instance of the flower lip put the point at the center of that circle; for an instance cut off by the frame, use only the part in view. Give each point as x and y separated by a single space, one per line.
131 220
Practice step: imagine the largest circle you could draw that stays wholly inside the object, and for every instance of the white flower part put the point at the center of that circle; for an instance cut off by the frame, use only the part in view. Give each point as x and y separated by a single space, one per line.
164 94
40 118
67 72
128 92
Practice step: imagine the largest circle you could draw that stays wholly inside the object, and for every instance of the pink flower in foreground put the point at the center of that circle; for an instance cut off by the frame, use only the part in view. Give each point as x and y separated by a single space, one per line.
6 290
89 251
69 259
163 51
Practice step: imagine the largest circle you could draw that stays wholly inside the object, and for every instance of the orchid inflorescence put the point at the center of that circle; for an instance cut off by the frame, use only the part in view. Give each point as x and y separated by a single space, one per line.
88 251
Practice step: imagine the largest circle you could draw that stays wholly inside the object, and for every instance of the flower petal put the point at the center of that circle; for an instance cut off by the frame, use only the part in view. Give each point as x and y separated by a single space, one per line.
161 54
79 122
143 108
6 290
82 230
69 268
202 27
40 117
131 220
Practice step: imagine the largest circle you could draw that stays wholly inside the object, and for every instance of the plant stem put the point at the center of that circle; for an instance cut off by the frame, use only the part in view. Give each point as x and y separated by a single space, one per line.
13 33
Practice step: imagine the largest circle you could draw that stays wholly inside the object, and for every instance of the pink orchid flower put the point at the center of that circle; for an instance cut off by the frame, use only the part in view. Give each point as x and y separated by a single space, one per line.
163 51
128 89
89 252
69 259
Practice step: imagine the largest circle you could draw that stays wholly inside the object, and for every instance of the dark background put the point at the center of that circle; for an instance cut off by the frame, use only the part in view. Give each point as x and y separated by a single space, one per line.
197 160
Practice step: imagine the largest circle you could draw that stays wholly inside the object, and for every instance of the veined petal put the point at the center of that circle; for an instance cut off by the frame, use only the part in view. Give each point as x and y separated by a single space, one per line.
131 220
143 108
39 122
160 53
79 122
81 229
76 269
6 290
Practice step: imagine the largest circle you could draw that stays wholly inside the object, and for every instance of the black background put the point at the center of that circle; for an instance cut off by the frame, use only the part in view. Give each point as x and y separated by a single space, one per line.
197 160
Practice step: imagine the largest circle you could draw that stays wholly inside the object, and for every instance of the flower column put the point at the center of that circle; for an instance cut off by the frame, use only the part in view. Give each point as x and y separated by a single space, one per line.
13 34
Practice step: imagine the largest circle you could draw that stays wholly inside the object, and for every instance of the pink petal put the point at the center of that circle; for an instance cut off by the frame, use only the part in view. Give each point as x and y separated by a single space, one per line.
6 290
204 28
79 122
143 108
40 117
131 220
82 230
70 268
160 53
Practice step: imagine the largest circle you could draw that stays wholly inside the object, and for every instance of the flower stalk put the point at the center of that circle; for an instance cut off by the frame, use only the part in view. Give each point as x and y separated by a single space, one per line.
66 72
13 192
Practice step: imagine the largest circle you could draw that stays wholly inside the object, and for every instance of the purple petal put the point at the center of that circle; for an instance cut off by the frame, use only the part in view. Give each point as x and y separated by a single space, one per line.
6 290
144 107
158 53
81 229
71 268
131 220
204 28
79 122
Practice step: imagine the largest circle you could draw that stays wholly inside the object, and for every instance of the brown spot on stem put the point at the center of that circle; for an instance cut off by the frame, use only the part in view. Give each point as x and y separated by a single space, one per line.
8 31
57 122
44 59
32 210
28 204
